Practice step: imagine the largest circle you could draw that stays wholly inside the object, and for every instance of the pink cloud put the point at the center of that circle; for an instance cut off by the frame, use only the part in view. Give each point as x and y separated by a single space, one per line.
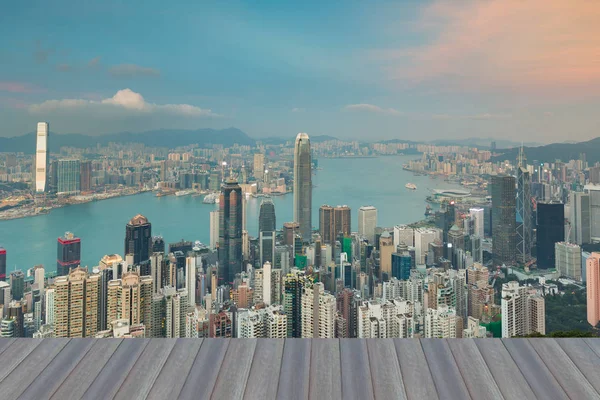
18 87
533 46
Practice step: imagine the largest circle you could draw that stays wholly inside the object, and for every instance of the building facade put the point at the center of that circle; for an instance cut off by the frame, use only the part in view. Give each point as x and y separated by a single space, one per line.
230 231
504 230
303 185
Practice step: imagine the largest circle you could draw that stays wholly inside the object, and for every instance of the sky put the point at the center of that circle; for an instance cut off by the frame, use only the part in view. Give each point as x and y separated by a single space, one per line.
414 70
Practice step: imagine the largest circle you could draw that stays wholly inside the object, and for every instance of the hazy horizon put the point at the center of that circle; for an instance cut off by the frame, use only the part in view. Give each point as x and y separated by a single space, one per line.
383 70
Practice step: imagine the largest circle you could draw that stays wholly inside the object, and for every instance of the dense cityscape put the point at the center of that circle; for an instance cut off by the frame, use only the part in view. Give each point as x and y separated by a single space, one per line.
500 257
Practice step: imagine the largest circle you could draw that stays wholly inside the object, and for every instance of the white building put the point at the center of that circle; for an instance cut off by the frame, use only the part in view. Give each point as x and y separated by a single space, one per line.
424 236
478 215
386 319
50 306
404 234
318 309
367 222
442 323
523 313
270 322
474 330
568 260
266 297
42 157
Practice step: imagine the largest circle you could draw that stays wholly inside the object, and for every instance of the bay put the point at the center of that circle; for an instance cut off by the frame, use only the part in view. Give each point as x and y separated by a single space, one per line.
101 224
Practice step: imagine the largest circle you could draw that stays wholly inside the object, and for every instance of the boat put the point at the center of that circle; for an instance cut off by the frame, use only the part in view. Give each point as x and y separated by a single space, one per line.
184 192
428 211
411 186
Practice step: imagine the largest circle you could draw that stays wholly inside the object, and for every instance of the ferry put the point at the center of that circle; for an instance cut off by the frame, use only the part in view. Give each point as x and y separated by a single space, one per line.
411 186
184 192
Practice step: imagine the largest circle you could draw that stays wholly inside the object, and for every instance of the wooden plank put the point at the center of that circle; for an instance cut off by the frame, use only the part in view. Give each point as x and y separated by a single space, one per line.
141 378
12 356
541 381
506 373
80 378
5 343
416 375
586 360
203 374
264 374
325 369
108 381
385 370
573 382
472 367
446 376
356 374
237 362
26 372
58 370
295 370
172 376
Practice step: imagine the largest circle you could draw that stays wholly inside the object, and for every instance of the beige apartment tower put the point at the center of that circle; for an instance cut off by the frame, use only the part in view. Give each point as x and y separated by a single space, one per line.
76 304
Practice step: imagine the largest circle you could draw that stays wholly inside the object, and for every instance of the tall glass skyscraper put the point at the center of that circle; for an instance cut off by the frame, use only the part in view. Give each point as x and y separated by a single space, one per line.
230 231
524 209
68 254
550 230
2 264
68 176
42 157
266 217
303 185
504 220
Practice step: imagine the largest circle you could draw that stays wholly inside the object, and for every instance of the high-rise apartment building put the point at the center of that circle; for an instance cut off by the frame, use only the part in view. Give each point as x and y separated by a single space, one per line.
385 319
550 230
130 298
68 177
478 216
138 239
504 230
318 312
294 284
568 260
579 218
230 231
442 323
259 166
424 236
523 313
42 157
386 248
68 254
303 185
76 304
367 222
269 322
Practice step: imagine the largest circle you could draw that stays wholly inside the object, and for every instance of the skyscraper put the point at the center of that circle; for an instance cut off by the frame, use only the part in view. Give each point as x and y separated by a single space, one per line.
266 217
2 264
477 214
550 230
230 231
17 284
42 157
138 239
579 218
85 175
303 185
130 298
259 166
318 312
504 231
333 222
214 229
76 304
524 209
367 222
68 254
68 176
568 260
592 270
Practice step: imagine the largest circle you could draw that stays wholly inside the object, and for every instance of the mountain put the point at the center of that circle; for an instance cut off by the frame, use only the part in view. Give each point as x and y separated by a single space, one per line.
481 143
158 138
322 138
556 151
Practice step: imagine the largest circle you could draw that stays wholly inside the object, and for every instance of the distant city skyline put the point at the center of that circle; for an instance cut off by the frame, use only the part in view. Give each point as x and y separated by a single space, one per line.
386 70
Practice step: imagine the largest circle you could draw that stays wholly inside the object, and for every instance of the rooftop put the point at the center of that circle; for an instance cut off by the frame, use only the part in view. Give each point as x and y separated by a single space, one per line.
300 368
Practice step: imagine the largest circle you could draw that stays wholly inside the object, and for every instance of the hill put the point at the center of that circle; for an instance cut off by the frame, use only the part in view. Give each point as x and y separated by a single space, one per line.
158 138
557 151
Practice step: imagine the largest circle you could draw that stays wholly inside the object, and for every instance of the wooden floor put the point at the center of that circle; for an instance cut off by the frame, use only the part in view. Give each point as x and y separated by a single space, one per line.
65 369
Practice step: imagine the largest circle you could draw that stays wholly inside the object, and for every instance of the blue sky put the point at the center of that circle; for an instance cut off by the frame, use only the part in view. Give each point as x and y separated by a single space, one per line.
351 69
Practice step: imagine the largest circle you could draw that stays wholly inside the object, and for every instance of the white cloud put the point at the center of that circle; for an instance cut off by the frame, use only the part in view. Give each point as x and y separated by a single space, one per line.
364 107
484 116
132 70
124 102
297 109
